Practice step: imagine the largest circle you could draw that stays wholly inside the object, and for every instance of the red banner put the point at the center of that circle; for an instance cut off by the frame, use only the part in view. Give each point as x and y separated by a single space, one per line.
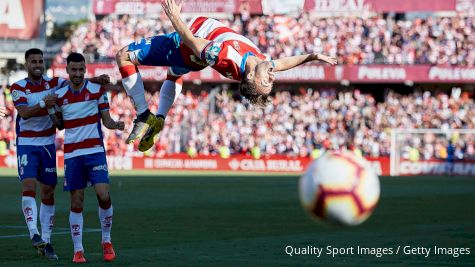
182 162
310 73
355 6
274 164
101 7
20 19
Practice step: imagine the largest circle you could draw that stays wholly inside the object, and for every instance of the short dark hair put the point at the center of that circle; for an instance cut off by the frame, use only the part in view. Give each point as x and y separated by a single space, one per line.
75 57
32 51
248 90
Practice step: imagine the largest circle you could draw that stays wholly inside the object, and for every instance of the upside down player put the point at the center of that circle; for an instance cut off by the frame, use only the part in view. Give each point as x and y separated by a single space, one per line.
206 42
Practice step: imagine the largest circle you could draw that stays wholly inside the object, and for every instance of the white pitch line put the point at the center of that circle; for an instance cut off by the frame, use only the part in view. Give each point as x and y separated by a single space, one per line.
61 230
24 227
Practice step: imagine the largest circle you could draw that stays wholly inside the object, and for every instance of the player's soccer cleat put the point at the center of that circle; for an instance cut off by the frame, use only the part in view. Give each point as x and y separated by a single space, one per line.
141 124
79 257
39 244
148 139
49 252
108 250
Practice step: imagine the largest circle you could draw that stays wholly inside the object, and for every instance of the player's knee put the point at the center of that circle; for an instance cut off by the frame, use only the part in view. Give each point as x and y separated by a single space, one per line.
29 185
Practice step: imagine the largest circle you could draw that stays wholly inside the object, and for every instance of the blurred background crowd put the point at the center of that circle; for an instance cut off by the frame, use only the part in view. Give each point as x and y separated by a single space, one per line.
303 123
376 40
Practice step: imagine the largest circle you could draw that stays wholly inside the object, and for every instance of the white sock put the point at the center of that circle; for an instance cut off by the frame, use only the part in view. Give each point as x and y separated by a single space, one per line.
76 224
105 218
46 220
168 95
30 211
133 85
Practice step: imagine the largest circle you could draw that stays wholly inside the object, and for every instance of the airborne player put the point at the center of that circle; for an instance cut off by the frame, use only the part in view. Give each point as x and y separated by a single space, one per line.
205 42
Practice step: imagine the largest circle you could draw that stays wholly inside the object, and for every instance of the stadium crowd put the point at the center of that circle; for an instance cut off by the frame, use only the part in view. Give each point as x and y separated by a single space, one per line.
294 124
433 40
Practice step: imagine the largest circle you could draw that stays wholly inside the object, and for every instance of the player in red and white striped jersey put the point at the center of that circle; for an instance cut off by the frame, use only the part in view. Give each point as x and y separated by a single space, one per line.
82 105
35 147
205 42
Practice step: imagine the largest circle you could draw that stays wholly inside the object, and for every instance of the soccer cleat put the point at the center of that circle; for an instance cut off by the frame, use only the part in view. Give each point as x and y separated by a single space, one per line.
141 124
148 139
108 250
39 244
49 252
79 257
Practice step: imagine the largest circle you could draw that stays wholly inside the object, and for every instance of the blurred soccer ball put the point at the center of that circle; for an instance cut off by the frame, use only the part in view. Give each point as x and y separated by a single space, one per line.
341 188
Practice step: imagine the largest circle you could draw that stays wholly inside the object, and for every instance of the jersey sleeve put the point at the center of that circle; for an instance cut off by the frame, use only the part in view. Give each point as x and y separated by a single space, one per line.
210 53
103 102
18 96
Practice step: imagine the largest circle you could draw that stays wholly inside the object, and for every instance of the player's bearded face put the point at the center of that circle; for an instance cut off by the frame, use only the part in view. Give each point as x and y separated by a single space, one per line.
76 71
35 65
264 77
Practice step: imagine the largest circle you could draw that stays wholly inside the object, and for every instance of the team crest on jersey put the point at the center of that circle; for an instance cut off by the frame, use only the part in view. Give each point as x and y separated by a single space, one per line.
212 53
28 91
87 97
65 101
15 95
47 86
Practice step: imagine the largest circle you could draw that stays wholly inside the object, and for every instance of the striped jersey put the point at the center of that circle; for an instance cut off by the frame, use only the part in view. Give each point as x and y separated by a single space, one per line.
82 121
226 53
39 129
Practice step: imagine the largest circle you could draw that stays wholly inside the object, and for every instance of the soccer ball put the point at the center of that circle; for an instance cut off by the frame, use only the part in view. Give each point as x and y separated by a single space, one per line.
339 187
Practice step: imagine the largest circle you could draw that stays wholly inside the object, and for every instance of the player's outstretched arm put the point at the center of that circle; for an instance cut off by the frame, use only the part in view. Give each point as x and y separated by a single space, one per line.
286 63
3 112
109 123
172 9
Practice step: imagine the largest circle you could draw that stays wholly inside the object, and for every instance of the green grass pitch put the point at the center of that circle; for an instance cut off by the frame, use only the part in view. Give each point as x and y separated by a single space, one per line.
216 220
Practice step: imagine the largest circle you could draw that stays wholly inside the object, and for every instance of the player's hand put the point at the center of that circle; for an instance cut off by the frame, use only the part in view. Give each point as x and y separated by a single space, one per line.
171 8
103 79
327 59
120 125
3 112
50 100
